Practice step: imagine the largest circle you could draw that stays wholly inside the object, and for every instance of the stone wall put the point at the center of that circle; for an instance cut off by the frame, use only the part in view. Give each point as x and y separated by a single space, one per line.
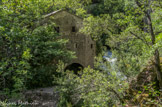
68 25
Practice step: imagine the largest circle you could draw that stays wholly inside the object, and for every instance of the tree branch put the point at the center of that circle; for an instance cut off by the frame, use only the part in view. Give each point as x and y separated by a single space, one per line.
143 40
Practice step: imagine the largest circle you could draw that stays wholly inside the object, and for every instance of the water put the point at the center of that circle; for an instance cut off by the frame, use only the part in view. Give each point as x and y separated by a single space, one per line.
109 58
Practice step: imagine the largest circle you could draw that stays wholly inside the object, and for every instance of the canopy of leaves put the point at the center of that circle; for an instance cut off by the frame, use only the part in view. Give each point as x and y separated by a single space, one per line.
28 54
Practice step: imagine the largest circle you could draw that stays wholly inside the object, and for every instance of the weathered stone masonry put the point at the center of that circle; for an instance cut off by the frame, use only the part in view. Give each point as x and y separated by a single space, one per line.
68 25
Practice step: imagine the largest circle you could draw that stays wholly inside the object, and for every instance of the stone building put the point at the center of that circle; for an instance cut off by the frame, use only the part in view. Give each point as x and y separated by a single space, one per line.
68 25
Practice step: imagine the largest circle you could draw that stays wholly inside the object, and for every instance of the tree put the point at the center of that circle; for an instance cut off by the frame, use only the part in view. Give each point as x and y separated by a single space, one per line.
146 8
133 34
91 88
27 51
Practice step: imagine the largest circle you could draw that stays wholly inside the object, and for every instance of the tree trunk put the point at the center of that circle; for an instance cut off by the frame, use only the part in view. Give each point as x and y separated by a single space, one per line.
156 53
157 67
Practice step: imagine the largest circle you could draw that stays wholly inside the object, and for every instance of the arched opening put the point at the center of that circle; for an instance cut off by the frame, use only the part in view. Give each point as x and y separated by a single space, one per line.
107 47
75 67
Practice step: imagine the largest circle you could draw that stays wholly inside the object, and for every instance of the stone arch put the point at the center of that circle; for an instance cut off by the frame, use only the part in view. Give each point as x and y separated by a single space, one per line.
74 67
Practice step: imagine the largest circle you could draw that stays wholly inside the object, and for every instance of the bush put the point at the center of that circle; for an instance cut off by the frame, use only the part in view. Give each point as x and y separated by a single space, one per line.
91 88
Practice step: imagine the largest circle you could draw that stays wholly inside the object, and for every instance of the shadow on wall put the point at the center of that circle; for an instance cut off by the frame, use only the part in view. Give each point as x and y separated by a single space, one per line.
75 67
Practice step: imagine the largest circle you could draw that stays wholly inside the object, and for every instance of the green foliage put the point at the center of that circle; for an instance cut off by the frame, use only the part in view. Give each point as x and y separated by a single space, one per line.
106 7
3 104
148 96
46 50
136 39
75 6
97 26
127 32
91 88
28 54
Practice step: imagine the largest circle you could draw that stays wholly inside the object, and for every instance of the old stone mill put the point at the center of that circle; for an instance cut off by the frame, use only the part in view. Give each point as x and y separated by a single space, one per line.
68 25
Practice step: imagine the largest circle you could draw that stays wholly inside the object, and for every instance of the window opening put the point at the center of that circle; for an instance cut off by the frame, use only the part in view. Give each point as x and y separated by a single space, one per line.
76 45
73 29
91 46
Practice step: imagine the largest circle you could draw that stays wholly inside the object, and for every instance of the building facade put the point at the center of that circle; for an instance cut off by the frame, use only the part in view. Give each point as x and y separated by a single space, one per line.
68 25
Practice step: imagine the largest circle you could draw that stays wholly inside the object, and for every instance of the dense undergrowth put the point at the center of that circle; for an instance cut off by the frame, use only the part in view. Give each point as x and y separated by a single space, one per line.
30 52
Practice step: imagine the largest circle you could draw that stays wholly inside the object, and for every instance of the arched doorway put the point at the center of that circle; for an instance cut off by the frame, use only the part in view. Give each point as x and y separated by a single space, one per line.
74 67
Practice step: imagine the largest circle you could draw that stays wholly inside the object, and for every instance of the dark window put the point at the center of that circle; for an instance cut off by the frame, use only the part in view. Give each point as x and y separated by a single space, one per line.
57 29
73 29
91 45
76 45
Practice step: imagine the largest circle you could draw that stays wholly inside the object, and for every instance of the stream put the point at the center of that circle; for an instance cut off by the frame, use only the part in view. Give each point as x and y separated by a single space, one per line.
108 56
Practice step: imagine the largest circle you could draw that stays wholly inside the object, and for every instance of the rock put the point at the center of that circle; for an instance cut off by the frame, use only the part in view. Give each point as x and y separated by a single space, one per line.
43 97
137 94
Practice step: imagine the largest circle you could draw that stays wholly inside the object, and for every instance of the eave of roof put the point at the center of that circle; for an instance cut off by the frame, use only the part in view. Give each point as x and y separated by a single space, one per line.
58 11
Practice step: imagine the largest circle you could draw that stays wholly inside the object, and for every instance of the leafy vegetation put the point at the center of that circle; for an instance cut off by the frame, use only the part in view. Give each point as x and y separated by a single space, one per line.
30 53
92 88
